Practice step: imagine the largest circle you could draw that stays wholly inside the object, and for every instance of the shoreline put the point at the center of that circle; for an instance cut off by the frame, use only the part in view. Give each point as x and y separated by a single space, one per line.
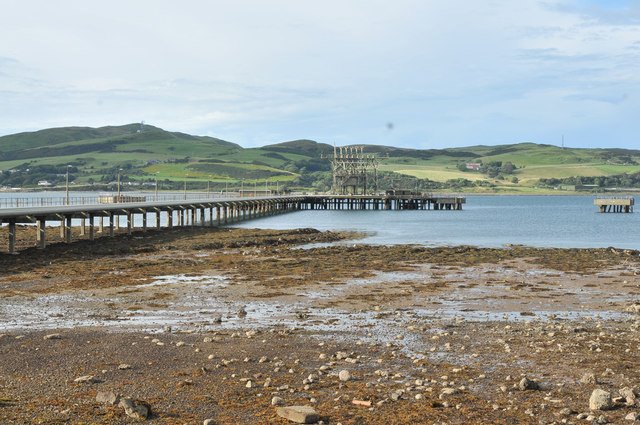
214 323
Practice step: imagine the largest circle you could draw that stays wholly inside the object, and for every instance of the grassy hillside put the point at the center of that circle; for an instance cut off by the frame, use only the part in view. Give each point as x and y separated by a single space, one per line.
96 156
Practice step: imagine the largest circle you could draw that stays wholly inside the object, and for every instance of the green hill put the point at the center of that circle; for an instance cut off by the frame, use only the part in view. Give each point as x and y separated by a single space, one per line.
141 154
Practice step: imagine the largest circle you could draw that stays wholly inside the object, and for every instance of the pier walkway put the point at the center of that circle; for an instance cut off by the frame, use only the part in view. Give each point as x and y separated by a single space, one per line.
201 212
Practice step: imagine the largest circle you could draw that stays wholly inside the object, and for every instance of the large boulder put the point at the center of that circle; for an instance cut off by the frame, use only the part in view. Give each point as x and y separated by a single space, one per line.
600 400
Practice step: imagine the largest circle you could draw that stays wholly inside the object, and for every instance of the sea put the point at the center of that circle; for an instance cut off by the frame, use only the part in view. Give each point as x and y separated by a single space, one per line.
485 221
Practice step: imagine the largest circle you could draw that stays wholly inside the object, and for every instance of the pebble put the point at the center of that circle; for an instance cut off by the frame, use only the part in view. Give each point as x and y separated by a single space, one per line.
277 401
566 411
448 392
53 336
87 378
124 366
589 379
344 375
209 422
633 416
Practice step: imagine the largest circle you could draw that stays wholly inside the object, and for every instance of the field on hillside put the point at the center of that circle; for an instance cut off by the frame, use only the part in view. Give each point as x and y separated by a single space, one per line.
98 155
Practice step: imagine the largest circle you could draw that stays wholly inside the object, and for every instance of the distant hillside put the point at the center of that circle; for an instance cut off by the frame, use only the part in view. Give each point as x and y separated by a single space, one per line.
142 154
301 147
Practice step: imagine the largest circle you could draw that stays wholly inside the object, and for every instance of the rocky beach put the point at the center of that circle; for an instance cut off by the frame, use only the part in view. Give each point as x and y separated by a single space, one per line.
226 326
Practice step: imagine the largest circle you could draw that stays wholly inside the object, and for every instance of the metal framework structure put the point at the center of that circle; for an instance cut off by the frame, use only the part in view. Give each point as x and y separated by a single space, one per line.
354 172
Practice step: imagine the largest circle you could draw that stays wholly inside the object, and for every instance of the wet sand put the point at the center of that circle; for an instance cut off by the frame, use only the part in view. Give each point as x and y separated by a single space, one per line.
430 335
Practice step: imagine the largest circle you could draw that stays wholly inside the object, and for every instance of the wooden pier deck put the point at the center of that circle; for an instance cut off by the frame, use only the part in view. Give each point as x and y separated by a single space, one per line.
615 204
385 202
213 212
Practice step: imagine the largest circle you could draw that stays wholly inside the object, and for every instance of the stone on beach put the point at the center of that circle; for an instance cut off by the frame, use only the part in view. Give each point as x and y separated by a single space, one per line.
136 409
344 375
86 379
448 392
53 336
633 416
299 414
629 396
527 384
600 400
589 378
108 397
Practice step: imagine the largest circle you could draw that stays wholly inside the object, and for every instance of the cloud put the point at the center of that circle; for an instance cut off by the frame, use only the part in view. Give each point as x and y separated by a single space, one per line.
253 72
611 99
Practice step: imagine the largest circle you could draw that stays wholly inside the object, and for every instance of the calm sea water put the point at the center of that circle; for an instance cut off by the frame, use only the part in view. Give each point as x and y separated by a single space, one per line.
485 221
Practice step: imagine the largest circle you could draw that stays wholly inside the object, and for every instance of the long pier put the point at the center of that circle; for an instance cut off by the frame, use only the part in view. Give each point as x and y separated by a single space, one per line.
101 218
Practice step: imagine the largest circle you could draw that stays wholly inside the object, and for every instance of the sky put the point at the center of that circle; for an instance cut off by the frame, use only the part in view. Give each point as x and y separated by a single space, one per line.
425 74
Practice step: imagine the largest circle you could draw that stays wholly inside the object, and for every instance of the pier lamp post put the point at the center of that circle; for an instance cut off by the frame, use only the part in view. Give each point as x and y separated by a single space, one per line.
119 171
209 187
185 186
242 188
156 186
226 189
67 186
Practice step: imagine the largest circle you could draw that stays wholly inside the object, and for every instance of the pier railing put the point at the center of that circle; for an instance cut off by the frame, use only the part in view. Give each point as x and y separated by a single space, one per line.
100 198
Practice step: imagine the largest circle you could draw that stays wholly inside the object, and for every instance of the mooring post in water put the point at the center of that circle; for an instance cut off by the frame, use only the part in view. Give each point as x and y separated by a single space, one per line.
170 218
129 222
144 220
157 218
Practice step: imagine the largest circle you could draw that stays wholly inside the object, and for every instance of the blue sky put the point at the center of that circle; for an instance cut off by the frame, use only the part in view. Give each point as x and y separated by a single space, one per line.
413 73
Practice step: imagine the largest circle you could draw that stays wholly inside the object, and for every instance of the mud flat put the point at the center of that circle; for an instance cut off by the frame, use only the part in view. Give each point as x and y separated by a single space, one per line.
214 323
